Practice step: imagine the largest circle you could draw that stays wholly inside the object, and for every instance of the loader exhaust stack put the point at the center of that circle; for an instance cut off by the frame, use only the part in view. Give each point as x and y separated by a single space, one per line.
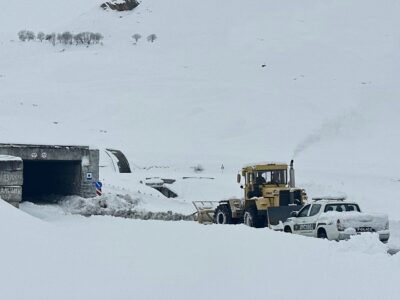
292 181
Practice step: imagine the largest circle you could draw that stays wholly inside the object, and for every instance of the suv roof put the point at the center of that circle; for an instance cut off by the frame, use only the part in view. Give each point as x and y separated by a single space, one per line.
329 199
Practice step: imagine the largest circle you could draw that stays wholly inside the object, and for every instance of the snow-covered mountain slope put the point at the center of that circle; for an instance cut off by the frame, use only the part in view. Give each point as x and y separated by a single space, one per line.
199 94
327 95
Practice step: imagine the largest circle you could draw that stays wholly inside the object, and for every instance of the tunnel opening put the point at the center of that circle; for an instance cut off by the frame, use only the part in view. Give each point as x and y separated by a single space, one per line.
45 181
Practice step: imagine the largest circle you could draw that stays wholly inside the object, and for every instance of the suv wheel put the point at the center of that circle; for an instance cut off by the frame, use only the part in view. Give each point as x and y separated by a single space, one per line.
322 234
287 229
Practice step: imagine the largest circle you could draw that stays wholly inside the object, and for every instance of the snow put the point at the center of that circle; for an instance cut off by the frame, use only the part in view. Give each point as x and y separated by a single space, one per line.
198 95
357 219
9 158
105 257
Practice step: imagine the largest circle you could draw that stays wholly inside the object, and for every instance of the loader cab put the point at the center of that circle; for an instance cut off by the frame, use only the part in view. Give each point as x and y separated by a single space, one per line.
258 179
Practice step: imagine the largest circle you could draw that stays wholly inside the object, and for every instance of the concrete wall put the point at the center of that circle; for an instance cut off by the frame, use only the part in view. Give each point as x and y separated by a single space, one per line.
90 166
84 178
11 179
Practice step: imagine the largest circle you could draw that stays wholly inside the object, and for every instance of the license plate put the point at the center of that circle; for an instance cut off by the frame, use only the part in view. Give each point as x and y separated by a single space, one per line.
364 229
310 226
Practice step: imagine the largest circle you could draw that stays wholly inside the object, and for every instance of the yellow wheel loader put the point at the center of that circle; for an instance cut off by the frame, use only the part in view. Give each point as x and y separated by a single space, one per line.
269 197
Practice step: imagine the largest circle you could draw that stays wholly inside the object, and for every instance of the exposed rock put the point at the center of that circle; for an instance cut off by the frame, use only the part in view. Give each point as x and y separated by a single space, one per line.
120 5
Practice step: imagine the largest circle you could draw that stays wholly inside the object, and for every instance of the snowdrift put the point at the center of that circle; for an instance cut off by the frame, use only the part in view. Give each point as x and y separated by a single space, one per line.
105 257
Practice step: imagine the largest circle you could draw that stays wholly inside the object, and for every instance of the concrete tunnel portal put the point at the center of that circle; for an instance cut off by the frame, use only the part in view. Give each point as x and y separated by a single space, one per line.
39 173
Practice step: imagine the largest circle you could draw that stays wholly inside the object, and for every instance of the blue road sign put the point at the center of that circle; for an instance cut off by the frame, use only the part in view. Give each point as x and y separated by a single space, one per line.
98 184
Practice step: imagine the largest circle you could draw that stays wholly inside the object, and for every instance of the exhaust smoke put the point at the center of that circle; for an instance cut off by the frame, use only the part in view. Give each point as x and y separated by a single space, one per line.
330 129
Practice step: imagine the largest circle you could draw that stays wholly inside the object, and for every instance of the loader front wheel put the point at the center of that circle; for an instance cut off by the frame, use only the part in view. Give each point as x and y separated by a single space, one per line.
223 215
251 219
248 218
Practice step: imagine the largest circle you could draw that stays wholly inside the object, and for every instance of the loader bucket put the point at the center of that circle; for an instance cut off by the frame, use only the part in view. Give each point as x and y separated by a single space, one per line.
205 211
281 213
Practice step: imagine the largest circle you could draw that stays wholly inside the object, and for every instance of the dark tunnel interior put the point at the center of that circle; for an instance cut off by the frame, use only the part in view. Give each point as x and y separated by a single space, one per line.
44 180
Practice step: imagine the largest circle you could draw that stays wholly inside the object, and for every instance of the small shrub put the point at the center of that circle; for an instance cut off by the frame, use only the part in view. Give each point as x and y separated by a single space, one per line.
199 168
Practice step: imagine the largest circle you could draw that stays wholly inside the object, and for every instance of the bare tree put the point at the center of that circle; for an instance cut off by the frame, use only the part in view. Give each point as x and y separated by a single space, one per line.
87 37
30 35
22 35
40 36
136 37
97 37
51 38
151 38
78 38
59 38
66 37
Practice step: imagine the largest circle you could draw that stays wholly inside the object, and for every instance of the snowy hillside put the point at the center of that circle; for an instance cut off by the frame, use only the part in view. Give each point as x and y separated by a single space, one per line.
225 82
199 94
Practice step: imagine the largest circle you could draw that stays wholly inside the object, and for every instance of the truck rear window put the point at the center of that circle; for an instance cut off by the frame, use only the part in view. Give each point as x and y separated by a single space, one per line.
342 207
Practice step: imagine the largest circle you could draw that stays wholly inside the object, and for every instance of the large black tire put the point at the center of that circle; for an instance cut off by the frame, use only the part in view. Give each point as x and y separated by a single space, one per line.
287 229
321 234
251 219
223 215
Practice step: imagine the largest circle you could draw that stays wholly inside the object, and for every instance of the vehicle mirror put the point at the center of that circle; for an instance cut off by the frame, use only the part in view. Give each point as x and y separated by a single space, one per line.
294 214
238 178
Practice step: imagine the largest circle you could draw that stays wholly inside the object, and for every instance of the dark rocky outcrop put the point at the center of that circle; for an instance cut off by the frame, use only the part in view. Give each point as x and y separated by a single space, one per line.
120 5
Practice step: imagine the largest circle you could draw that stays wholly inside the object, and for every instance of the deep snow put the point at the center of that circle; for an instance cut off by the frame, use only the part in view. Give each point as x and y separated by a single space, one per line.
327 97
73 257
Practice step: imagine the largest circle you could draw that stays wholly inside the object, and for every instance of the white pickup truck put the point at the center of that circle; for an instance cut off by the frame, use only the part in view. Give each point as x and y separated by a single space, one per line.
335 219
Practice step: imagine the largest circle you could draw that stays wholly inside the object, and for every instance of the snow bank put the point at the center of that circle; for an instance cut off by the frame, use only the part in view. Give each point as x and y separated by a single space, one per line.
9 158
357 219
104 257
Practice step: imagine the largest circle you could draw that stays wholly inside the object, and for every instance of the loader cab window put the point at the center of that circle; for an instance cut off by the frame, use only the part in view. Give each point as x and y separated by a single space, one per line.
249 178
274 177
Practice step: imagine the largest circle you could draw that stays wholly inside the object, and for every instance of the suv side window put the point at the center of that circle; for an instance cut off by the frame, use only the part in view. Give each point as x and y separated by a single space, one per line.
304 211
315 209
352 207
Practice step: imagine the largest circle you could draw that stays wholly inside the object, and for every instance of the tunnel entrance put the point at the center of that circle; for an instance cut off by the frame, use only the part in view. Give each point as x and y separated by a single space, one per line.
44 180
30 172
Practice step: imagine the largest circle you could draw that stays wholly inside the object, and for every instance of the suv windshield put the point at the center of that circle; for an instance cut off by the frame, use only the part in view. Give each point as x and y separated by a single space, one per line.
340 207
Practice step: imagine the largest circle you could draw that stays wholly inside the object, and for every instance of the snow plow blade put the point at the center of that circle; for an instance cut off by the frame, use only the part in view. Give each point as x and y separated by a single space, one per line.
281 213
205 211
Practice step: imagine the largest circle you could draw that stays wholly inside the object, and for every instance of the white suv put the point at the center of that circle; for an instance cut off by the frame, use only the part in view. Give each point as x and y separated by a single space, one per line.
335 220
